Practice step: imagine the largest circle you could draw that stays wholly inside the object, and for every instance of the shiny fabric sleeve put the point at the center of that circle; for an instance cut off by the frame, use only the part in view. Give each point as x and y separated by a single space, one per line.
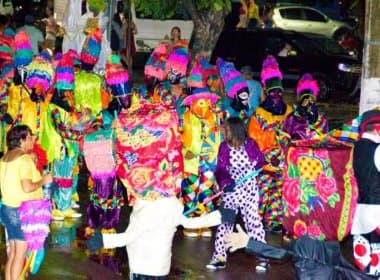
265 139
222 176
254 153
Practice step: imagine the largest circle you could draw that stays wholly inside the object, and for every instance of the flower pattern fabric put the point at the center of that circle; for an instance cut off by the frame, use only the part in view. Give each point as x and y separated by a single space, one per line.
320 189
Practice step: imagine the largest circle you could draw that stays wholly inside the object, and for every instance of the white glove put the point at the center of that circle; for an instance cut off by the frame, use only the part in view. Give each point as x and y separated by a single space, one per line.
236 240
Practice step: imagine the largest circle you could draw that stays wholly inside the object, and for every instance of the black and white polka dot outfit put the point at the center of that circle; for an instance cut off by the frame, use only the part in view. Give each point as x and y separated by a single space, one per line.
244 197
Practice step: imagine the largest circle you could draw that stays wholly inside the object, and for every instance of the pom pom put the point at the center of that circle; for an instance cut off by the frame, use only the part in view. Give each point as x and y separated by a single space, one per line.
40 74
91 48
64 73
270 69
24 52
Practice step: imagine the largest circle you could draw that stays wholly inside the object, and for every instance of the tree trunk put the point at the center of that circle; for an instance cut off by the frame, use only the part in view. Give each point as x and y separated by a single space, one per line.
207 27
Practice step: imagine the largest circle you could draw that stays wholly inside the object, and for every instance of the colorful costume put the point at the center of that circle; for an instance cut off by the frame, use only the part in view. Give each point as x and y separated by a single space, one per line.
233 165
201 139
306 122
365 229
265 128
149 152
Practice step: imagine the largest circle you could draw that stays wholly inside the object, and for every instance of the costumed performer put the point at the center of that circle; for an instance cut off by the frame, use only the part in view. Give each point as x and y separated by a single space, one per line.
306 121
201 138
149 153
366 226
239 161
62 138
265 128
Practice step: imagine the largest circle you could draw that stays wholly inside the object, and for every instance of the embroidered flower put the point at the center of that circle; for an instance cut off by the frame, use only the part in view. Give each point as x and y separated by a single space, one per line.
299 228
292 195
326 186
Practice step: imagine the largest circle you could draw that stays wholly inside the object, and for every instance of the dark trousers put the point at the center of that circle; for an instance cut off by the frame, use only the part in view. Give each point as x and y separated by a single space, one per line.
135 276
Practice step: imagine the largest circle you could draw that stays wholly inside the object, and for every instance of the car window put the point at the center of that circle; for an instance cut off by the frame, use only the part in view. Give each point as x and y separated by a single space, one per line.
314 15
329 45
291 13
273 44
306 45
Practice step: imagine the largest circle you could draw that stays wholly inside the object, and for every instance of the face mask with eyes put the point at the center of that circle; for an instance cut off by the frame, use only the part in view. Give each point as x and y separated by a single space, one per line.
174 76
200 107
241 100
20 75
307 108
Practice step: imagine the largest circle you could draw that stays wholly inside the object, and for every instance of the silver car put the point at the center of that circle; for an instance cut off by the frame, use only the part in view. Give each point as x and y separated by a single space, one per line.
307 19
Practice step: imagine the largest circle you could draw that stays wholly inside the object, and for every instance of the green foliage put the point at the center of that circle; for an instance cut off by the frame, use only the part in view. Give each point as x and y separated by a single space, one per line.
293 171
164 9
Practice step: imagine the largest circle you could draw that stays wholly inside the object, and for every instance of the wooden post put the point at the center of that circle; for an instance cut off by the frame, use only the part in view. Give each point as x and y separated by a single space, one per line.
370 90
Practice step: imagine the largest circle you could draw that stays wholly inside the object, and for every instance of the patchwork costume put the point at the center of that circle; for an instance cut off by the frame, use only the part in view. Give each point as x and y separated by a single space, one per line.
265 128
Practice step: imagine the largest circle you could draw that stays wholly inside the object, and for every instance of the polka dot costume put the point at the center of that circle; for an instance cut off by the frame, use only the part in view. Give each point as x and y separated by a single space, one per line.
245 198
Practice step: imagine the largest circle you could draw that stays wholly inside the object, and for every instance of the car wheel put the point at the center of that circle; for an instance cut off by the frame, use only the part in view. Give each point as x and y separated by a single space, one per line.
338 35
324 88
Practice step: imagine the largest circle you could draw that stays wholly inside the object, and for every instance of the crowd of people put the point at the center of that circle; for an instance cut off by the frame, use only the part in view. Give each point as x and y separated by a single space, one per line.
194 145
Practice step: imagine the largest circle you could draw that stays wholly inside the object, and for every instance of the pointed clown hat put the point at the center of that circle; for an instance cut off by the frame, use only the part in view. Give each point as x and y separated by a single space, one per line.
155 65
117 76
271 75
64 73
201 72
40 74
307 86
176 65
23 49
89 55
232 79
200 93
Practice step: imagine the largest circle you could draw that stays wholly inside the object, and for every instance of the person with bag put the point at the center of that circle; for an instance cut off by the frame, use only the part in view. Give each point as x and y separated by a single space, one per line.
20 181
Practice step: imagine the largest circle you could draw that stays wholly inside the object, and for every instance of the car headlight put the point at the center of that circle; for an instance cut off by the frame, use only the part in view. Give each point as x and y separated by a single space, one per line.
357 69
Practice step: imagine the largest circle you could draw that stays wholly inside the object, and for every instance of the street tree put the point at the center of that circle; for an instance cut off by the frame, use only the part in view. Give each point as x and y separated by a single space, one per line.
207 16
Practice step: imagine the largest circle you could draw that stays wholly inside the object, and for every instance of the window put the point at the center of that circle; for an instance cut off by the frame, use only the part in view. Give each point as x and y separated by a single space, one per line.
291 13
313 15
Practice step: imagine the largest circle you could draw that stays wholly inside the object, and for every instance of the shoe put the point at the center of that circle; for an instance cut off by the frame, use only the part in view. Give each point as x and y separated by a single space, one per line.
216 264
206 232
57 215
191 232
74 205
262 266
70 213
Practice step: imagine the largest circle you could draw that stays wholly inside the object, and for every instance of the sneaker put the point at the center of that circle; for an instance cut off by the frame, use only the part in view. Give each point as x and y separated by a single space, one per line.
206 232
216 264
262 266
70 213
74 205
57 215
191 232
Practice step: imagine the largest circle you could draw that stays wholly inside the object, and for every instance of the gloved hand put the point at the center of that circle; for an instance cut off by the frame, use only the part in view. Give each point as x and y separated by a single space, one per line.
229 188
228 215
95 242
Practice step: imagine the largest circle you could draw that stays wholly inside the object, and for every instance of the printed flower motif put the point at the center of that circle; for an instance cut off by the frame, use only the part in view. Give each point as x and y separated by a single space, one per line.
299 228
140 177
314 230
322 154
292 195
326 186
295 153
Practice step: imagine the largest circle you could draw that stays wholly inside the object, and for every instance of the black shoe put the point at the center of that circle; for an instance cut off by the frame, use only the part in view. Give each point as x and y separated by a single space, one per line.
214 265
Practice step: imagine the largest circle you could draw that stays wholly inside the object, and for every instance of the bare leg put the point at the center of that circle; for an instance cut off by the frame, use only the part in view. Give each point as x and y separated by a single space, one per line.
10 256
19 258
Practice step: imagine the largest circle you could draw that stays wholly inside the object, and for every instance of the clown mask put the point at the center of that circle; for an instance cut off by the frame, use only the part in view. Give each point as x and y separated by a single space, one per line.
201 107
241 100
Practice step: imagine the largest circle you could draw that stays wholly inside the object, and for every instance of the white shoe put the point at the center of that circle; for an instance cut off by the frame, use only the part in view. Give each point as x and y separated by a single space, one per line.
70 213
75 205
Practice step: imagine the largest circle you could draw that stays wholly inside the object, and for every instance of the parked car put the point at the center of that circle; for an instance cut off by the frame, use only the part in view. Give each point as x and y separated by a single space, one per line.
307 19
319 55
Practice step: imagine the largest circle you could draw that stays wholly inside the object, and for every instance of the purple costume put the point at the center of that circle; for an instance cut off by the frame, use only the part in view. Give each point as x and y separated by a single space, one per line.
299 127
233 164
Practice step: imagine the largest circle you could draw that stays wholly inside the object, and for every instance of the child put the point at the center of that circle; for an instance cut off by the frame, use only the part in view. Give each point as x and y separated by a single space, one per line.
239 159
